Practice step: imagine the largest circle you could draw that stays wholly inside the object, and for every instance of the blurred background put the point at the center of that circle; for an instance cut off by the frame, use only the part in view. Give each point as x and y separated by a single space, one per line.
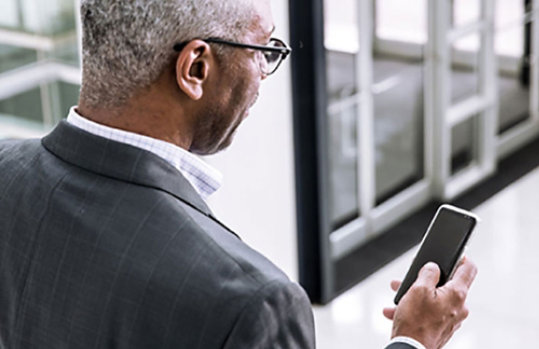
39 63
385 109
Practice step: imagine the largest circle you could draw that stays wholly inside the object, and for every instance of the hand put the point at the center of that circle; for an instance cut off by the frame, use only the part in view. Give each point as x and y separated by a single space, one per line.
428 314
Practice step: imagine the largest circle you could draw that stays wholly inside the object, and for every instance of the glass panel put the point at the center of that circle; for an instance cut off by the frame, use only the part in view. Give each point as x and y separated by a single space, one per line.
341 27
463 144
342 46
399 20
343 162
68 97
465 68
9 16
341 31
512 45
398 124
341 75
53 21
49 18
466 12
26 106
66 53
398 95
12 57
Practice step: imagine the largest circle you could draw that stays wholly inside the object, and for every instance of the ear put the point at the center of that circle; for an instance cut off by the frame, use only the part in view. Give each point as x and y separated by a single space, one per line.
193 67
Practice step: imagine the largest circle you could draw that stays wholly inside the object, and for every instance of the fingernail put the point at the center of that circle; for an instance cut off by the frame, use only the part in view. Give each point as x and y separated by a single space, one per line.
431 265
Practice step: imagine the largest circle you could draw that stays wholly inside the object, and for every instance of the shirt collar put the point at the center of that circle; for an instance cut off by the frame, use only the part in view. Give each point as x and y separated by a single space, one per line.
204 178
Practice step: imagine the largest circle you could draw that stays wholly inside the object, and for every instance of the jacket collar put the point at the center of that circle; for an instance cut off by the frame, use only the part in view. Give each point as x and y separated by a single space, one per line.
121 161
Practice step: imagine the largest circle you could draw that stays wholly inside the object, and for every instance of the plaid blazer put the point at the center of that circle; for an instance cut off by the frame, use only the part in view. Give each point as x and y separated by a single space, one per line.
104 245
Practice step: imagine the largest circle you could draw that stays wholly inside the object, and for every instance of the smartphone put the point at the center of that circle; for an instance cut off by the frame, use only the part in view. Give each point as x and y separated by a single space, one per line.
443 243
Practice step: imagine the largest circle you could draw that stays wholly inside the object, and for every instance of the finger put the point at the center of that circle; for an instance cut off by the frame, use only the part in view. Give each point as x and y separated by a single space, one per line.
465 273
429 275
389 313
461 260
395 284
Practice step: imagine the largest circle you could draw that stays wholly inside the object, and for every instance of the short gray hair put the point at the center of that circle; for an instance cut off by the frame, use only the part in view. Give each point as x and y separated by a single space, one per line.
127 44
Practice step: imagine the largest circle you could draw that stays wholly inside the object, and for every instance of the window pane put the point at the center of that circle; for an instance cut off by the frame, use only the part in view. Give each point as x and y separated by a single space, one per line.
343 162
9 16
43 41
341 30
398 124
68 97
402 20
26 106
466 12
401 28
49 17
12 57
341 75
341 27
465 68
509 38
512 45
66 53
464 144
342 47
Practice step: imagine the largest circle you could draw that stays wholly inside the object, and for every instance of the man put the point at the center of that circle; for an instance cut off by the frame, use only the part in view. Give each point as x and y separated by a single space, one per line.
106 239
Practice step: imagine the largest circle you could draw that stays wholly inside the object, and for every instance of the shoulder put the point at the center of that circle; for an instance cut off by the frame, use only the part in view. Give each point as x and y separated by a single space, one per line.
16 157
277 315
231 293
190 247
25 157
231 251
11 148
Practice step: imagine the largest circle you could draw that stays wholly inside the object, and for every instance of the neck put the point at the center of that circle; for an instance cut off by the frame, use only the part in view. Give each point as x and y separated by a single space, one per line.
151 114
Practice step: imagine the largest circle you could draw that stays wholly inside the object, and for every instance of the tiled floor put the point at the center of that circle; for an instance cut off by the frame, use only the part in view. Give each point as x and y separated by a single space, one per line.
503 300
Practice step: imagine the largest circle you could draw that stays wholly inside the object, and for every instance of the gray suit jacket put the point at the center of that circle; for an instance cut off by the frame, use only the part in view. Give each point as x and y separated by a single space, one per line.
104 245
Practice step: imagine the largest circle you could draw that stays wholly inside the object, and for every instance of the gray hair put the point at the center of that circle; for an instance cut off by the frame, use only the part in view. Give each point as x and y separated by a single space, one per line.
127 44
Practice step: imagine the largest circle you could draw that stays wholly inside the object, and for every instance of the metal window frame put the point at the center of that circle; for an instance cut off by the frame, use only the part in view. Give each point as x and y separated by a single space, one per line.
310 144
481 105
318 246
374 218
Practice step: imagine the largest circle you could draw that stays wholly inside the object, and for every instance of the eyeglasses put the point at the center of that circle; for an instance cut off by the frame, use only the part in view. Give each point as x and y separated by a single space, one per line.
273 53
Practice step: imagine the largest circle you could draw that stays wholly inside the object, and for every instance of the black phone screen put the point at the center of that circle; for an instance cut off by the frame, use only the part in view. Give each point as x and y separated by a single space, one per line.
443 245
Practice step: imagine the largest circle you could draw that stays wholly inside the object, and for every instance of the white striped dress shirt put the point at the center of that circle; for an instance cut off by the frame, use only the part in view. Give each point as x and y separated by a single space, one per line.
204 178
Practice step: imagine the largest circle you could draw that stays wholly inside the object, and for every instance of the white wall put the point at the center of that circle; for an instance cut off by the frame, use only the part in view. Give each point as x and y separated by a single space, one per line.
257 199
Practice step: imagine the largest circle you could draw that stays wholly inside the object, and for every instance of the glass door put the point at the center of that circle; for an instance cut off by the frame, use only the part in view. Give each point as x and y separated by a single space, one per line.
464 99
378 157
375 123
418 102
402 143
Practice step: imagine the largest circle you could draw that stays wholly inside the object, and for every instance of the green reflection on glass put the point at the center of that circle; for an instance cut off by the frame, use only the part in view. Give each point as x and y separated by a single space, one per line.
12 57
69 96
25 106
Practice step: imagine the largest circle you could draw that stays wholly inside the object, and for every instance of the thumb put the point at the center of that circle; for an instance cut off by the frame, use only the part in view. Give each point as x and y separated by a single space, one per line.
429 275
